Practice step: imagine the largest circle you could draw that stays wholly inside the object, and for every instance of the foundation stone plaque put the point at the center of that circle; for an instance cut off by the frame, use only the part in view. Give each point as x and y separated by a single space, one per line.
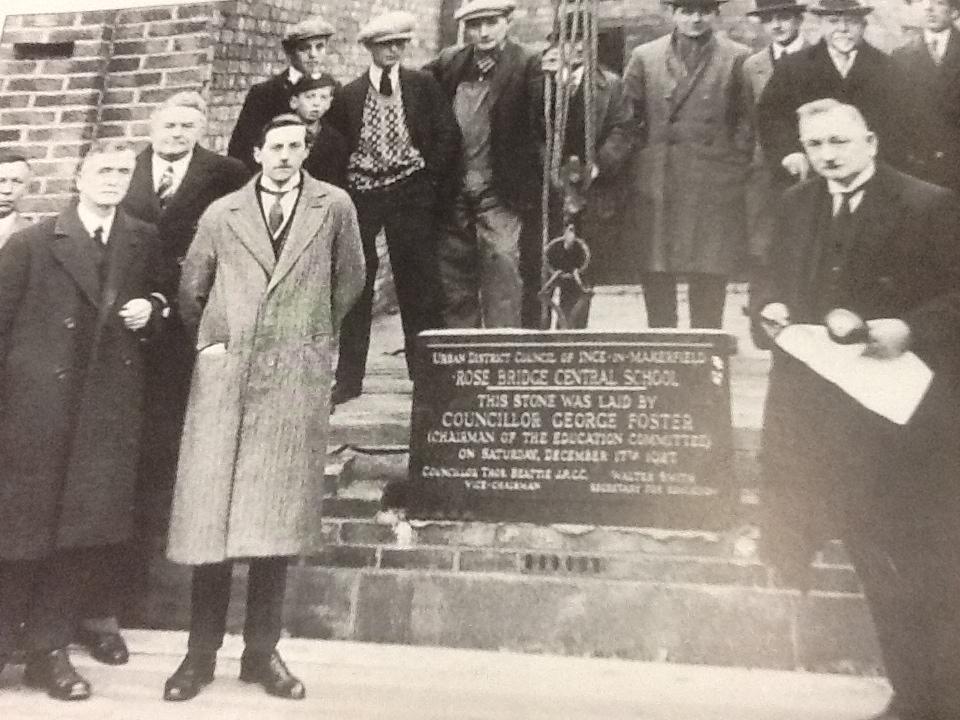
585 427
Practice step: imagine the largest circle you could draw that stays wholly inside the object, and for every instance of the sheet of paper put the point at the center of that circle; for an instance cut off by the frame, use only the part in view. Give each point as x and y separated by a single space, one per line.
892 388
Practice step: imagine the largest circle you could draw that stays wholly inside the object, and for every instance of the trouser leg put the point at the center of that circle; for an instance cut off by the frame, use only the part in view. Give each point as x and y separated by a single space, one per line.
459 267
107 591
18 580
575 303
209 599
266 585
531 271
355 330
660 298
62 580
708 294
498 244
411 230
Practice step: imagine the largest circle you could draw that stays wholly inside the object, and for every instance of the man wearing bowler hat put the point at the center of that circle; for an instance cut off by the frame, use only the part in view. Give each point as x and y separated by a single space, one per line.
842 66
403 143
693 113
931 71
781 20
305 45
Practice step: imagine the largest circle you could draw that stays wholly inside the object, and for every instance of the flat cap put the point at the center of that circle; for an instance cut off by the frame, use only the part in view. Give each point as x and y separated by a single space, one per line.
312 27
313 82
484 8
389 26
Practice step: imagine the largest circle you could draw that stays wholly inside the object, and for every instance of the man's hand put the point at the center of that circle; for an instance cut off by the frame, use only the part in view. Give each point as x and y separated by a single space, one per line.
550 62
773 318
888 338
136 313
797 165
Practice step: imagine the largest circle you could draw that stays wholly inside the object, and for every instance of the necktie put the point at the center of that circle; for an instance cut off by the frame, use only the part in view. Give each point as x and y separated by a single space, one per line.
485 63
97 236
165 185
841 223
386 87
934 51
275 213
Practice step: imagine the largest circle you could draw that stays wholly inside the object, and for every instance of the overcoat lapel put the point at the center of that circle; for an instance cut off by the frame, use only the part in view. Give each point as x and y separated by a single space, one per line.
121 245
69 249
246 220
141 197
196 177
878 213
309 216
686 82
504 70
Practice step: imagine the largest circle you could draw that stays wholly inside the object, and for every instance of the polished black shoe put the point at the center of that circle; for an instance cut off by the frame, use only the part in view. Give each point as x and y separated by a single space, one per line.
342 393
271 672
106 647
55 673
194 673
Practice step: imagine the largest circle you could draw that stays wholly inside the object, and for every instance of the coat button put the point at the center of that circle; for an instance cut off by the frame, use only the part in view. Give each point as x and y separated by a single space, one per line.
61 374
128 362
69 323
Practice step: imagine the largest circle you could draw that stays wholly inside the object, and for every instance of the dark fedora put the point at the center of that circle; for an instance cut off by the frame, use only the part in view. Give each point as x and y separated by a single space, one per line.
840 7
768 7
694 3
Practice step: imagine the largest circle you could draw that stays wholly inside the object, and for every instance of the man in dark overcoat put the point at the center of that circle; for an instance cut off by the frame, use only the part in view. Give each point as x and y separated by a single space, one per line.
78 293
403 142
493 84
931 93
694 118
843 65
174 180
305 45
863 237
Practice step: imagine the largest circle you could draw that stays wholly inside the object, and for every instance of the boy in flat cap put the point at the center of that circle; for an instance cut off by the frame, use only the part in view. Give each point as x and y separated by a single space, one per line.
931 71
327 160
693 110
493 84
305 45
403 142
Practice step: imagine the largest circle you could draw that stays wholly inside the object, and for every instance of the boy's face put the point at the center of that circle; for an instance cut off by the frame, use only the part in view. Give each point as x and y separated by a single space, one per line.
312 104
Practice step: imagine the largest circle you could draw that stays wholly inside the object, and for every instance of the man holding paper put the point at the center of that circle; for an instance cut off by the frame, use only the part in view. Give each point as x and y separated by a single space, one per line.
864 238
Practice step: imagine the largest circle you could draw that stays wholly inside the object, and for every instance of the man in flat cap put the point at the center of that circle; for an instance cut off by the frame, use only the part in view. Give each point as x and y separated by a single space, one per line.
173 182
327 160
403 142
305 45
931 73
492 83
693 112
781 20
842 66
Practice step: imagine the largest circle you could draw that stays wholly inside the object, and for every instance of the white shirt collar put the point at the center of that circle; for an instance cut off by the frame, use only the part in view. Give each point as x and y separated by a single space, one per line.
376 73
92 221
287 201
796 44
293 75
854 189
842 62
940 38
286 187
179 169
7 224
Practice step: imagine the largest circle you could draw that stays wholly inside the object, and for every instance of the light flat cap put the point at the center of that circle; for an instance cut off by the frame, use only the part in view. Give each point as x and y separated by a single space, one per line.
312 27
484 8
389 26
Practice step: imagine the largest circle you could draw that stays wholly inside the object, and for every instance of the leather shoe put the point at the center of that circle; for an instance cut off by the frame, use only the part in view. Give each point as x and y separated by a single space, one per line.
195 672
342 393
271 672
107 647
55 673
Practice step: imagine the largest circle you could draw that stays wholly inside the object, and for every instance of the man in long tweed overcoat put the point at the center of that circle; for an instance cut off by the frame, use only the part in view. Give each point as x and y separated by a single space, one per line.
272 271
693 112
77 296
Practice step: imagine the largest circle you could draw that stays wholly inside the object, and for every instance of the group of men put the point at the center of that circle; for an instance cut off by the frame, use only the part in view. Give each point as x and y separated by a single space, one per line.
167 340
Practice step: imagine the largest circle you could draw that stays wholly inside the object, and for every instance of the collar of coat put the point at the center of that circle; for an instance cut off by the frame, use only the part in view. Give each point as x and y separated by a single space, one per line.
246 220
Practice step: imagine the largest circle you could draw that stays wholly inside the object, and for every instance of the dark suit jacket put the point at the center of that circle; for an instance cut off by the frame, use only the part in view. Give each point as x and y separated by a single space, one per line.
931 93
71 383
433 128
264 102
328 156
208 177
829 465
810 74
515 118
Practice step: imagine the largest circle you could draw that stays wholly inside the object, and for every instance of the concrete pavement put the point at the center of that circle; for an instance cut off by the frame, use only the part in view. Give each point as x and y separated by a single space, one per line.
357 681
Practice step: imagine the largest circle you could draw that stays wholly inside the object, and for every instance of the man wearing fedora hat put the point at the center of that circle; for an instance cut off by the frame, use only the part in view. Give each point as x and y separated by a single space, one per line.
693 111
493 84
931 69
842 66
403 141
305 45
781 20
